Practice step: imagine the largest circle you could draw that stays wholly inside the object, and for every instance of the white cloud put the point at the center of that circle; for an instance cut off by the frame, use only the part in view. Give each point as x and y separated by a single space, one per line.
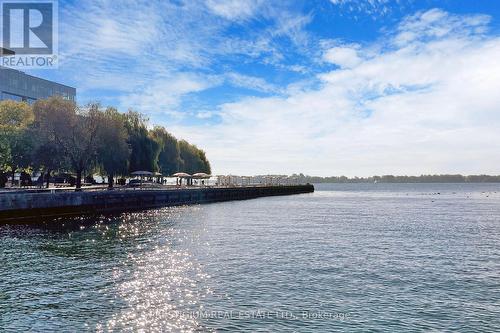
345 57
372 7
428 105
129 48
165 94
370 2
251 82
234 9
424 101
436 24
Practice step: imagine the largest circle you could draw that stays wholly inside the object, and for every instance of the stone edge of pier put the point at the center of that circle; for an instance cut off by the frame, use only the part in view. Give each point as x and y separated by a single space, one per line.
21 207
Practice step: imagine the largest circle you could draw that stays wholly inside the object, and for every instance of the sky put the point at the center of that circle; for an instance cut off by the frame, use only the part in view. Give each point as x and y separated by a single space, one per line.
320 87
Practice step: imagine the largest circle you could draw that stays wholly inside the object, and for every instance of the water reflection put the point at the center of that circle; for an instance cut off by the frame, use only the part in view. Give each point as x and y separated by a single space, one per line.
129 271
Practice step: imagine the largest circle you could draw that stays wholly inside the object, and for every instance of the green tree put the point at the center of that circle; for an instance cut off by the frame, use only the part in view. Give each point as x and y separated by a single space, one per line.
15 143
5 156
193 159
169 158
55 134
81 140
144 148
48 155
113 152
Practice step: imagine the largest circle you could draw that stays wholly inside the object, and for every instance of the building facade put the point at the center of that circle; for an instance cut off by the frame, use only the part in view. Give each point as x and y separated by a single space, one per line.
19 86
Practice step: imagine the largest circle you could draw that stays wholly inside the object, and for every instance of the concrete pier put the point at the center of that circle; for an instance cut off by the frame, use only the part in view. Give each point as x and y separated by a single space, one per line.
20 207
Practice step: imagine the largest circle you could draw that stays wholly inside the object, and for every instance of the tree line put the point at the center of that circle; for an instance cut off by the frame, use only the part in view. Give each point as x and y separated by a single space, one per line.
402 179
56 135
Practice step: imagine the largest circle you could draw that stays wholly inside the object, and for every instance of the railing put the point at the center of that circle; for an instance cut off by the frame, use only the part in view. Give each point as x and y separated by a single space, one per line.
230 181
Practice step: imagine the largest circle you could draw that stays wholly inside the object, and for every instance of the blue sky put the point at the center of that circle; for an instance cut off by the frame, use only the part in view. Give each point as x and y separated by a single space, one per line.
324 87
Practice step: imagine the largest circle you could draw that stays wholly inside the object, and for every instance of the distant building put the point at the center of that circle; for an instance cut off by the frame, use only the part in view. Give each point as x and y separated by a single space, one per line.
19 86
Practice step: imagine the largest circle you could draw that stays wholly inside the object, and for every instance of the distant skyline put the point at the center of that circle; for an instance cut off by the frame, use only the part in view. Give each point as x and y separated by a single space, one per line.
323 87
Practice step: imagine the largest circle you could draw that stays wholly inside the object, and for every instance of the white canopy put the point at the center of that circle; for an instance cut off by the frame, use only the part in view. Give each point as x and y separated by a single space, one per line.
182 175
201 175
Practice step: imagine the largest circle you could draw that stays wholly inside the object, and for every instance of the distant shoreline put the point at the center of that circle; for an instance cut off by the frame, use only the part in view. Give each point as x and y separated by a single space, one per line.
325 182
390 179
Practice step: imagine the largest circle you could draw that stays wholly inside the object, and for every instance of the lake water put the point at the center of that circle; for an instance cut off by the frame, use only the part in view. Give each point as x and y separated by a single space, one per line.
356 257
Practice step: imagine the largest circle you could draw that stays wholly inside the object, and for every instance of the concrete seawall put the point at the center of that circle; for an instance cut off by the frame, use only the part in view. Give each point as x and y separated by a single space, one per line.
26 206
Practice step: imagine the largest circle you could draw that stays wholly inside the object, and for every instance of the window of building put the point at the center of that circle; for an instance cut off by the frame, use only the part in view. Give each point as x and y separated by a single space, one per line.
6 95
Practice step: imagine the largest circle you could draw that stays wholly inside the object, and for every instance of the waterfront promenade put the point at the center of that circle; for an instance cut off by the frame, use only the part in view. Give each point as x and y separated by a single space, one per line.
34 205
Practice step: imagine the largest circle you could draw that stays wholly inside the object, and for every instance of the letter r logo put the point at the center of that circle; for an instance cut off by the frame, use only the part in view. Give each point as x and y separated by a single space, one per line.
28 27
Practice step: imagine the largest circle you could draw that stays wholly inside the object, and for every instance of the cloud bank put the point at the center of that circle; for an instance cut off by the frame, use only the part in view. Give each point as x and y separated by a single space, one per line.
425 100
259 89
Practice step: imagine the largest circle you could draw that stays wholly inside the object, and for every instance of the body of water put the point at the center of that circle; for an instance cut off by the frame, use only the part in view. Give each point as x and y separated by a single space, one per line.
354 257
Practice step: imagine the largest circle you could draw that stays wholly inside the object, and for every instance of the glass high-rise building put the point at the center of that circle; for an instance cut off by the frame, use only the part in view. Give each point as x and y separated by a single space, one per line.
19 86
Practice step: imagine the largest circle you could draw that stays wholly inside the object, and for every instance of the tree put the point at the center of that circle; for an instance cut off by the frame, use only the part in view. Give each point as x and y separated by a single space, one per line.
144 149
55 135
169 158
81 140
5 156
205 164
193 159
113 152
15 143
49 157
21 144
72 130
48 154
15 114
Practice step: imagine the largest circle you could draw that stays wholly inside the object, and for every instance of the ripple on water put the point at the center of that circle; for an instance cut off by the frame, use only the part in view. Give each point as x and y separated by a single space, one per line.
388 258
